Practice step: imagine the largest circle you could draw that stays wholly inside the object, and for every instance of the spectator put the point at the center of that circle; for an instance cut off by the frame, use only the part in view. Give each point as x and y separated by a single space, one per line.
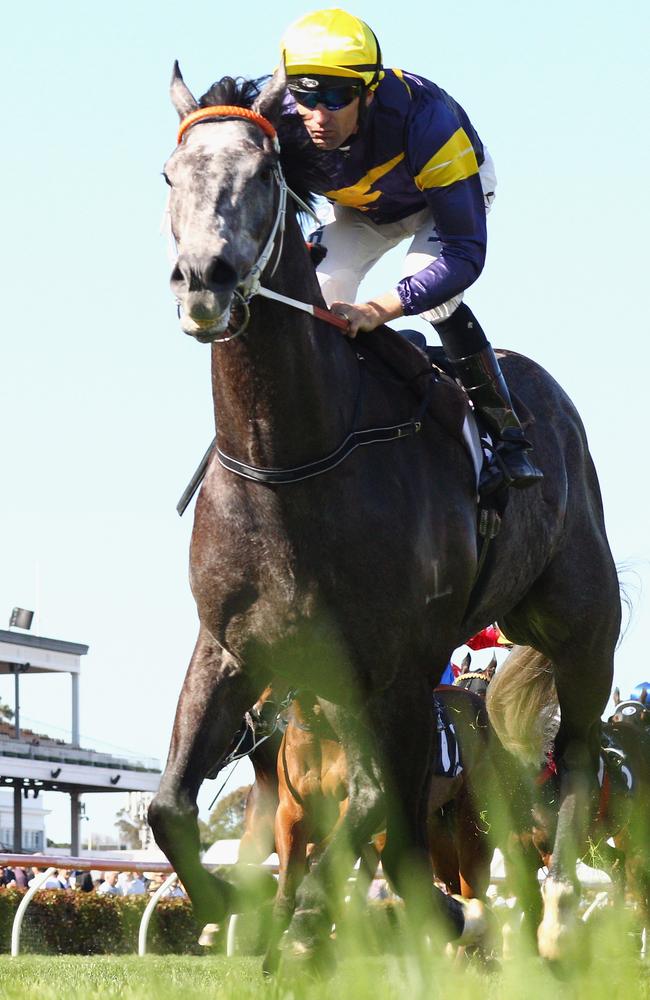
175 891
124 880
84 882
109 886
33 873
155 880
54 881
136 886
20 878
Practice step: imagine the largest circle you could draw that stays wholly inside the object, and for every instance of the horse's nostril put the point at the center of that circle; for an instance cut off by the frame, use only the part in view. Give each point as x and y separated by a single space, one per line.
177 276
198 274
220 276
182 275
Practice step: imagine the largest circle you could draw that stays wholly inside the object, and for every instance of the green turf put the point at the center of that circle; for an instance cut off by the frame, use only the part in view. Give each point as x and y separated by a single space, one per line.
239 978
375 963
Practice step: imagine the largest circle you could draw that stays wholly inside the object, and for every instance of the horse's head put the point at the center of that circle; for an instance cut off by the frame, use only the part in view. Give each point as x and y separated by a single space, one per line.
224 196
476 681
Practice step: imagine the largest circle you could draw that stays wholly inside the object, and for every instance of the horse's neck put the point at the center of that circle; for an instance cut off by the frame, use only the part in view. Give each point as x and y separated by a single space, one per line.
284 392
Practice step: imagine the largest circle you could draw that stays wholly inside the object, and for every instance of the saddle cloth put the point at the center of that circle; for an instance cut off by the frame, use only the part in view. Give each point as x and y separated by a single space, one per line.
447 761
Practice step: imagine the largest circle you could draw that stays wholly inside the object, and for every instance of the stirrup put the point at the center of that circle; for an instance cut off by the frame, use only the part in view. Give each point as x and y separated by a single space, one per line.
520 473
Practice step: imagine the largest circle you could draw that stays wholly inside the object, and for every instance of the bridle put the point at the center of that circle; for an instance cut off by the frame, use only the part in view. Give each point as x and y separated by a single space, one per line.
251 285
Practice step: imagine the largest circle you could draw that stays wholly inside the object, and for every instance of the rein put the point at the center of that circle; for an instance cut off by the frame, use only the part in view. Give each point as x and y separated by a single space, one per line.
252 725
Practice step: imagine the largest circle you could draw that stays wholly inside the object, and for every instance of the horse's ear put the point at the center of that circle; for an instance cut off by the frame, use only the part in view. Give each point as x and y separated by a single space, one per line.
181 95
616 696
491 667
465 663
269 103
643 696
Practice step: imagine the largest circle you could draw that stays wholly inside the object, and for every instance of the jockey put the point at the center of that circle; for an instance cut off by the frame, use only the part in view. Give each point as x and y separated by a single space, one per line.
640 692
488 638
405 162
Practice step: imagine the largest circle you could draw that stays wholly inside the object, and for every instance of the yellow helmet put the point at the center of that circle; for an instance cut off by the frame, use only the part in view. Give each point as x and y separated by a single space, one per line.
332 43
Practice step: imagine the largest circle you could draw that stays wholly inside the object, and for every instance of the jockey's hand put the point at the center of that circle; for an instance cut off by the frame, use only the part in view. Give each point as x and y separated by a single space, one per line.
369 315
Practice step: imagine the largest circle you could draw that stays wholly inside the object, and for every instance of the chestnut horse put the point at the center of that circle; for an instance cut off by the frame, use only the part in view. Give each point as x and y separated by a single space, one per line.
479 798
347 570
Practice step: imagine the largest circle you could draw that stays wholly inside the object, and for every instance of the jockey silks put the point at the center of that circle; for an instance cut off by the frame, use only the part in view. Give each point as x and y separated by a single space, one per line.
417 149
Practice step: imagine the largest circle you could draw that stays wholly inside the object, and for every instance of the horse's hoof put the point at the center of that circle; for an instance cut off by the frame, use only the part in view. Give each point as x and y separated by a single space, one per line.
314 961
271 963
559 938
209 936
479 927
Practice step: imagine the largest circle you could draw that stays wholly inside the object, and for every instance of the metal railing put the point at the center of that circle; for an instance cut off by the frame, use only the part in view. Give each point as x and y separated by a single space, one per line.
52 863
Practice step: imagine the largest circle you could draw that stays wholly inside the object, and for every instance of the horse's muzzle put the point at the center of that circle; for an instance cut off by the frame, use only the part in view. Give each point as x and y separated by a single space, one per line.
203 273
204 289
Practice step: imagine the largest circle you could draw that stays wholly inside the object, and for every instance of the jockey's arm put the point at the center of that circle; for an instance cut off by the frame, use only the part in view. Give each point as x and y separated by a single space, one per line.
369 315
458 212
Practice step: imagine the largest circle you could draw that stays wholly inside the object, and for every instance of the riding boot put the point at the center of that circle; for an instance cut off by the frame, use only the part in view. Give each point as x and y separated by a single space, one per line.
476 366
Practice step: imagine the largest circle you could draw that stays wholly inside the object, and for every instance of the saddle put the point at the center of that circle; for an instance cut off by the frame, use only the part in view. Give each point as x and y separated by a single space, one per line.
387 352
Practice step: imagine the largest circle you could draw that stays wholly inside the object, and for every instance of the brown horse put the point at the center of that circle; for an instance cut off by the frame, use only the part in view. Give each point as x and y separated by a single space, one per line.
476 681
335 540
478 799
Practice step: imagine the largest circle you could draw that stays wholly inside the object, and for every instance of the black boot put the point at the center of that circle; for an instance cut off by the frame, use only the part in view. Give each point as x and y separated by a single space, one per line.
486 387
476 366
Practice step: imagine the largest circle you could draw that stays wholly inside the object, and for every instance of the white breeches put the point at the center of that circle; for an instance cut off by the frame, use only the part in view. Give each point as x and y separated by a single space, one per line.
354 243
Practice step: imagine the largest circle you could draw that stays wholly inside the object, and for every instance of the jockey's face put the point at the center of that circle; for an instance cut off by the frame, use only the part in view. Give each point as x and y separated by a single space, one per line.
331 129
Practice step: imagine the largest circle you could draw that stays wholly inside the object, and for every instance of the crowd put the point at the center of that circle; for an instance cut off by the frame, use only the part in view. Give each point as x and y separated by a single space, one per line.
103 883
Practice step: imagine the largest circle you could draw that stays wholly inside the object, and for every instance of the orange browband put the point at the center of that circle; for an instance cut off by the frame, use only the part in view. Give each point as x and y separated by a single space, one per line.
225 110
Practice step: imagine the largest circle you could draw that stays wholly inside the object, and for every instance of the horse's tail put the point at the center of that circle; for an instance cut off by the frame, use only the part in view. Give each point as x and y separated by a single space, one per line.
522 704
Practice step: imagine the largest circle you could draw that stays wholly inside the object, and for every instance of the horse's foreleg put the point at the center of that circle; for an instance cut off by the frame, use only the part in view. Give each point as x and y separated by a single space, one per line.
406 729
321 892
213 701
475 850
291 843
573 617
576 753
258 839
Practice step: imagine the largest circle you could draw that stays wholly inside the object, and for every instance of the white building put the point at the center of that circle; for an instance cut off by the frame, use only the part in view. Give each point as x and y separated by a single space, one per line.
33 814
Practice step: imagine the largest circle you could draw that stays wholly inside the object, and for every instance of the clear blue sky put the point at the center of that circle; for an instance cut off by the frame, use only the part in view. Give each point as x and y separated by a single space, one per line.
105 405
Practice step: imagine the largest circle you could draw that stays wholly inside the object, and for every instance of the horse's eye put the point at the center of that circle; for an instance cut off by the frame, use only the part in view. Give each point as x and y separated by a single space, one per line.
266 174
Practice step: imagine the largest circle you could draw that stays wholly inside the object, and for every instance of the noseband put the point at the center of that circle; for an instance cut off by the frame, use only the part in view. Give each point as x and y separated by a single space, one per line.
251 285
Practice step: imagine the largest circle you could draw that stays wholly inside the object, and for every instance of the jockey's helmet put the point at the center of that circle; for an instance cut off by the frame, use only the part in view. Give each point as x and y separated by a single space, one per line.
332 43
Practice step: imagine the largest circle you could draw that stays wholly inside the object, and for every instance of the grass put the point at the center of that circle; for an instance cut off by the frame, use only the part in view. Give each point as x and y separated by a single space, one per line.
613 972
377 961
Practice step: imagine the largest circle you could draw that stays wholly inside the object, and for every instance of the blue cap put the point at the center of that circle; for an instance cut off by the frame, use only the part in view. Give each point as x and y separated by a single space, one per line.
635 693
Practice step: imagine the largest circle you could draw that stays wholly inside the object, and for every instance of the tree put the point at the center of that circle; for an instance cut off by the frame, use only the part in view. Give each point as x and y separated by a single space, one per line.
226 820
129 831
6 713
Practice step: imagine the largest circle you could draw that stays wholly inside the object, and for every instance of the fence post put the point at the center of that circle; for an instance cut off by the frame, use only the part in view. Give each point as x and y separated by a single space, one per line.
231 938
148 910
24 903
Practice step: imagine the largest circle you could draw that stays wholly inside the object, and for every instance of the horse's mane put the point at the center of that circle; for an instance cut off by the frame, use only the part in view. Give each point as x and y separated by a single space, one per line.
304 165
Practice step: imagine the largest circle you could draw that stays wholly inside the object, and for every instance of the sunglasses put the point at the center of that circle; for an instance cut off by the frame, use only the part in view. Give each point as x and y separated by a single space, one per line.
332 98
